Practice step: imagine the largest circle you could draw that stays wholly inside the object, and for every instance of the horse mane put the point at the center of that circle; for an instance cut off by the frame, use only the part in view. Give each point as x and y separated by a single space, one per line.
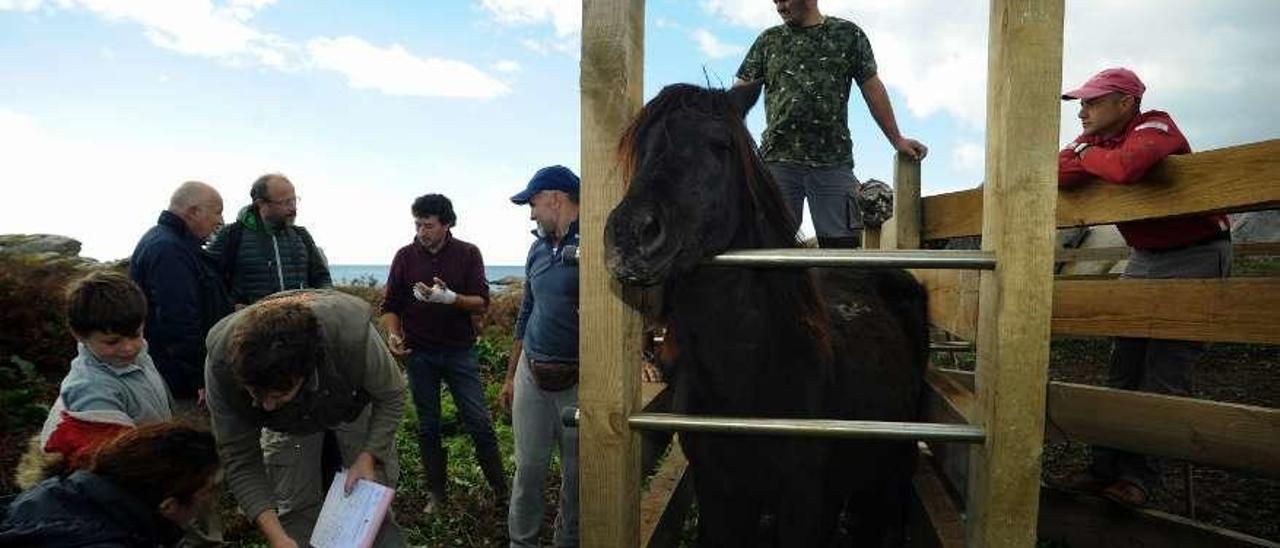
767 213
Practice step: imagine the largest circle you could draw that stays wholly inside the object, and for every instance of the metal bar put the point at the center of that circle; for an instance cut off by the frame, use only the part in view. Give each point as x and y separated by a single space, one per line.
912 258
951 346
817 428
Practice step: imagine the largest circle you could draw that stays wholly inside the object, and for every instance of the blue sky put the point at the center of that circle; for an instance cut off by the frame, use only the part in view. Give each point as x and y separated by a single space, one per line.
106 105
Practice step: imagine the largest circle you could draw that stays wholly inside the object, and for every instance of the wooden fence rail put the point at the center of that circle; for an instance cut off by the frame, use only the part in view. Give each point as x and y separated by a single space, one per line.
1243 310
1239 178
1227 435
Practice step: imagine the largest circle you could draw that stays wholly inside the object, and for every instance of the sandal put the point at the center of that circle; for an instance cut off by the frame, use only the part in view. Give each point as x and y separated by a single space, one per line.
1126 493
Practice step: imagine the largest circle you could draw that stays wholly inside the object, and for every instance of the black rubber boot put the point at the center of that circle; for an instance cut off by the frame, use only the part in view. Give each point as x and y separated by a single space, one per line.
435 463
491 465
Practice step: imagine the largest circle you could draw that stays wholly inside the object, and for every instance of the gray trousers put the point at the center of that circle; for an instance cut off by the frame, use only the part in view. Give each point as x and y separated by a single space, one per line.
535 422
827 190
1158 366
293 466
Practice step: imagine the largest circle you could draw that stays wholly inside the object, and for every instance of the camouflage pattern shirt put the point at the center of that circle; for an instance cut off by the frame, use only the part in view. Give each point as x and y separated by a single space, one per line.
807 73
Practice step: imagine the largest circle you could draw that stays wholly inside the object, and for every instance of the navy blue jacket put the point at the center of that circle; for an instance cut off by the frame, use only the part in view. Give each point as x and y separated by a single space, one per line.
83 510
548 322
185 297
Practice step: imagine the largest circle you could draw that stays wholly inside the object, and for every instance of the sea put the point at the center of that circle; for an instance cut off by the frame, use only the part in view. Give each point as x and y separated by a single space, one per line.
376 274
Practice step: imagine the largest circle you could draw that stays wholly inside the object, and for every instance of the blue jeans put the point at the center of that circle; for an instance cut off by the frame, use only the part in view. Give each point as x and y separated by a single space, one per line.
459 370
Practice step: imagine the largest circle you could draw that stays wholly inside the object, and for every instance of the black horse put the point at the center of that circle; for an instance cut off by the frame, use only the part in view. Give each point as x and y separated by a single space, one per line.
759 342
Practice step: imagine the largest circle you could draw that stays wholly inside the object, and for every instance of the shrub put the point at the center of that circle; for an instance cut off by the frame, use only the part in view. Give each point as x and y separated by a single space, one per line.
31 311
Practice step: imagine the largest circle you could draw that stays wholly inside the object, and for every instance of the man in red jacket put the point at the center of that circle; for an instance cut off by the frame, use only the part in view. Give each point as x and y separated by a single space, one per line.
1120 144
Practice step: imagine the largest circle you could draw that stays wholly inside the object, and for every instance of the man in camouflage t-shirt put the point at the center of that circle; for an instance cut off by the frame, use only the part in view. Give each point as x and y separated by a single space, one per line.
808 65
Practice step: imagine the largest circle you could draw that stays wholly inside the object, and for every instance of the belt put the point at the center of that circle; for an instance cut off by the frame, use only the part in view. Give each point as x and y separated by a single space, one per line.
1220 235
557 362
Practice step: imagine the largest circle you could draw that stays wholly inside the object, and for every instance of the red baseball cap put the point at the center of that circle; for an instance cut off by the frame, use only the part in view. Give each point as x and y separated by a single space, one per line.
1112 80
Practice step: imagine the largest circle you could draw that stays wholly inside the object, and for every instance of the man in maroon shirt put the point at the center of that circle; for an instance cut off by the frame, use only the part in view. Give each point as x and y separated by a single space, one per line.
435 285
1120 144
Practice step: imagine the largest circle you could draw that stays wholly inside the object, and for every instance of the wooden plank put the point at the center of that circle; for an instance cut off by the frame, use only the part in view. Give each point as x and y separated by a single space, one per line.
1024 77
955 398
1227 435
906 202
1232 179
1071 520
949 401
1243 310
654 398
666 501
1238 178
953 300
943 519
612 69
951 214
871 237
1253 249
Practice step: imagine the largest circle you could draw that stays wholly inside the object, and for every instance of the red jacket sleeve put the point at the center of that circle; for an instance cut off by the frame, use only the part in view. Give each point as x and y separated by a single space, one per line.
1070 171
1141 150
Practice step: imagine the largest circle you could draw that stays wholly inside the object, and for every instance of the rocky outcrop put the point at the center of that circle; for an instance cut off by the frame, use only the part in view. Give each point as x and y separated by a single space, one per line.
50 248
39 244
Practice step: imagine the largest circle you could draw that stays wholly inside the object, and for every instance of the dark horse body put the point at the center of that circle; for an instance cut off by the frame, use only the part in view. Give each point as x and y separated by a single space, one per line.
756 342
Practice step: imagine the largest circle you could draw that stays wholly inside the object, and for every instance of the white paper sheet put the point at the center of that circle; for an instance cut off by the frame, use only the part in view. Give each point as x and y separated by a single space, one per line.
351 521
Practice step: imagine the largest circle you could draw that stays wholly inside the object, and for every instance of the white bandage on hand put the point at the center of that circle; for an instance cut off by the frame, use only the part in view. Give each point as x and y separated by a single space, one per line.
441 294
438 293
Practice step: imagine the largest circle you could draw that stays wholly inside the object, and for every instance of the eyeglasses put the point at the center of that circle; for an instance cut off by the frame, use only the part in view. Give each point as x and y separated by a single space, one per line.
291 202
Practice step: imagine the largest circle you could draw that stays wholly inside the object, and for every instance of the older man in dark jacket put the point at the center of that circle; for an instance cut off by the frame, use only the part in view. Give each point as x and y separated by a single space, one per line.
263 252
184 294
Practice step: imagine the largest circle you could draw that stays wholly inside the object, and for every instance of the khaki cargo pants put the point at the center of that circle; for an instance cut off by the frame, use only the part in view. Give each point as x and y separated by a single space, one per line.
293 466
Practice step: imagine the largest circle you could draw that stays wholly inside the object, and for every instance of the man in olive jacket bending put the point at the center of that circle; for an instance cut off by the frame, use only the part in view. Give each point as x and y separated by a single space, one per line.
280 374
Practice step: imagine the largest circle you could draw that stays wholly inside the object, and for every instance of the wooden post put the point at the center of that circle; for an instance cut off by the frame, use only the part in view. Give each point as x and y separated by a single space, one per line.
1024 77
871 237
906 202
609 457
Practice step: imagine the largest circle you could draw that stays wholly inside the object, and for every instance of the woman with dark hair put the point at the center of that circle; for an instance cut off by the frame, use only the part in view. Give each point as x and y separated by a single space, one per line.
138 490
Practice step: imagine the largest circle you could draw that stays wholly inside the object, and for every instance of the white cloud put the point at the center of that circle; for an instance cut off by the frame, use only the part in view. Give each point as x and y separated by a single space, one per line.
564 15
395 71
746 13
198 27
968 157
20 5
507 65
245 9
221 31
711 46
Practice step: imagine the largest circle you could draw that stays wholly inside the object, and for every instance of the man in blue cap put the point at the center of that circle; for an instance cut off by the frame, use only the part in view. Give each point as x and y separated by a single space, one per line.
542 375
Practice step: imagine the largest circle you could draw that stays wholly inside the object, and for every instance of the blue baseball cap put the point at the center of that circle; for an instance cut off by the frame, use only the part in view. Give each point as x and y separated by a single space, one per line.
548 178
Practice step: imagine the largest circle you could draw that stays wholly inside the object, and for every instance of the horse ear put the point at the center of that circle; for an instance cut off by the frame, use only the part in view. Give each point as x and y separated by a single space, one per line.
744 95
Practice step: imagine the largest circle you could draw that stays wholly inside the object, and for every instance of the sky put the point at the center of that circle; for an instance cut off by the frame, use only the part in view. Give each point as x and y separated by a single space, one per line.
107 105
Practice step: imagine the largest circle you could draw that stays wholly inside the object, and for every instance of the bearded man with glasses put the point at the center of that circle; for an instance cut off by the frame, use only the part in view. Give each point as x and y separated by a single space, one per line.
264 252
